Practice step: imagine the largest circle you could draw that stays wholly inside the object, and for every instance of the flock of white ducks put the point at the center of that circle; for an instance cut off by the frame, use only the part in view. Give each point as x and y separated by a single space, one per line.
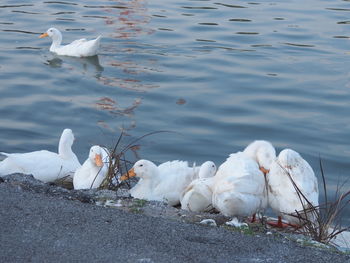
245 184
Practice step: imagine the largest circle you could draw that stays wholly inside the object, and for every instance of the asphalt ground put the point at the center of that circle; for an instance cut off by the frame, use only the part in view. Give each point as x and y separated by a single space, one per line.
37 226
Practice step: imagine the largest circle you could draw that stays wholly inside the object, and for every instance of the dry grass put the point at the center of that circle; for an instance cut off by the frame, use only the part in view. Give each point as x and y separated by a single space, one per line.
118 161
323 222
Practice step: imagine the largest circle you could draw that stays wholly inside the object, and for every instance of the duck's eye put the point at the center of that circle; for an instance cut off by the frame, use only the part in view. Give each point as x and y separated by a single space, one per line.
141 165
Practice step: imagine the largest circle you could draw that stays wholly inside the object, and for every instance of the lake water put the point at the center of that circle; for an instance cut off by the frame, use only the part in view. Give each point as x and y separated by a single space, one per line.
218 73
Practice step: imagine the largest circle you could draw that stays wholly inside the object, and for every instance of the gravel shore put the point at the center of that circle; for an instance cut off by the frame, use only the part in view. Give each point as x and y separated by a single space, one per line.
45 223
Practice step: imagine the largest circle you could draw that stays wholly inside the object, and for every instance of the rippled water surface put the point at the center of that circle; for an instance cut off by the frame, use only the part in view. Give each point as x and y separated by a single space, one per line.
218 73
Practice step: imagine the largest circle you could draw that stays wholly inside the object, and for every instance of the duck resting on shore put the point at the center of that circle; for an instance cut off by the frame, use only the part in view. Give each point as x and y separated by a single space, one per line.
284 198
44 165
94 170
239 187
78 48
165 182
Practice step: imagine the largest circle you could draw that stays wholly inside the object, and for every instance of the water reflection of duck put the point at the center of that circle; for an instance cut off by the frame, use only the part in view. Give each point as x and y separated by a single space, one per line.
78 48
44 165
85 63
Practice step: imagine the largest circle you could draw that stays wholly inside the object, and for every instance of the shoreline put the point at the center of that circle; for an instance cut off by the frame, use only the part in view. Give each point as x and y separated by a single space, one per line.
42 222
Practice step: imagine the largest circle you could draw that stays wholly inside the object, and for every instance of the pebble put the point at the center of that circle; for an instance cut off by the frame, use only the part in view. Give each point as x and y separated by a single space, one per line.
208 222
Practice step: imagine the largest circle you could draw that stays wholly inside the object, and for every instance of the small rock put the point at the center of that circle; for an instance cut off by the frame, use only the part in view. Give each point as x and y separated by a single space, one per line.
208 222
147 260
102 194
235 223
113 203
99 203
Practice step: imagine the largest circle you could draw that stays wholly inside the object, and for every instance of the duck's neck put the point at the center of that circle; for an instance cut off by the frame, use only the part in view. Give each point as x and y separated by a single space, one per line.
145 187
65 150
97 174
203 173
56 42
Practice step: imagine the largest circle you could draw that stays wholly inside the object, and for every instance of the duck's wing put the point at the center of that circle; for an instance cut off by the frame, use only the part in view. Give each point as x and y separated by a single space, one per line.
80 48
78 42
176 171
197 196
235 165
282 194
307 182
240 188
240 196
173 165
175 176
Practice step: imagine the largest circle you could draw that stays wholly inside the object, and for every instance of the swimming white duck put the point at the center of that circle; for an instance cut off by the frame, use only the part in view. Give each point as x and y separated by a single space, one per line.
197 196
239 187
78 48
94 170
262 152
44 165
283 197
165 182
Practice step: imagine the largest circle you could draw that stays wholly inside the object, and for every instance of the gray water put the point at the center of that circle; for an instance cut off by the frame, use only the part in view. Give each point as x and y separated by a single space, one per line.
218 74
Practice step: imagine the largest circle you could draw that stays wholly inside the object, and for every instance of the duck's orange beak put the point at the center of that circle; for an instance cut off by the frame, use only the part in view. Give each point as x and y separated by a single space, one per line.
265 171
98 160
44 35
129 174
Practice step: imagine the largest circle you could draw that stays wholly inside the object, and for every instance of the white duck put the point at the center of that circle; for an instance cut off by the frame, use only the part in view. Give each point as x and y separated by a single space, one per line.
78 48
262 152
44 165
239 187
197 196
165 182
283 197
94 170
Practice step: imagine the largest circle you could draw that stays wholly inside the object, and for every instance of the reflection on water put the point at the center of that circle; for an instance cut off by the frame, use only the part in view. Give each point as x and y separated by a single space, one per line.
84 65
114 108
129 19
